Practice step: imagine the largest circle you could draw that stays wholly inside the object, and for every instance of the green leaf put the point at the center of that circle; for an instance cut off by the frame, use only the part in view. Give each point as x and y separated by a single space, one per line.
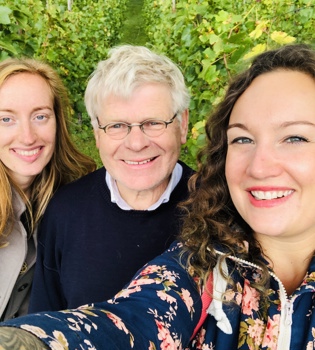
255 51
282 38
4 15
7 46
209 54
22 18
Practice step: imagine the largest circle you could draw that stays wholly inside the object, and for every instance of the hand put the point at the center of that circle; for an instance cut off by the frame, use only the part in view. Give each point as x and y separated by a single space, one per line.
18 339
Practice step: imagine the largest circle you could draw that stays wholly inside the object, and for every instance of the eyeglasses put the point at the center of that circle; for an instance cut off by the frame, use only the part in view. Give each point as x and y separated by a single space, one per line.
150 127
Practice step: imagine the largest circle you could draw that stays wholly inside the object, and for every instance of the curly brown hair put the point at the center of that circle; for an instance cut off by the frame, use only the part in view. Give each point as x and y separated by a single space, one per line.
211 219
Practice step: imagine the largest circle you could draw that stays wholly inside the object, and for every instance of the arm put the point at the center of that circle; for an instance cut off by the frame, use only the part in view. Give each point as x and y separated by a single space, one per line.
160 307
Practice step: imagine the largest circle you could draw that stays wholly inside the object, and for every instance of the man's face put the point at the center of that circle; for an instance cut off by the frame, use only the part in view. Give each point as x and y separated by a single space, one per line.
141 165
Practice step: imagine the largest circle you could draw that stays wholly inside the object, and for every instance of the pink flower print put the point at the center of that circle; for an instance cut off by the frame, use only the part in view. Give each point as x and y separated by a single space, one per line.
164 296
238 298
187 299
169 275
150 269
120 325
143 281
208 346
270 339
117 322
168 343
250 299
200 339
125 293
229 295
255 331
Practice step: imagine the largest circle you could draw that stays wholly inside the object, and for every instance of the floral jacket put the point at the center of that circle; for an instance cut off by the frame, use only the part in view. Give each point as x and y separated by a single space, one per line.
161 308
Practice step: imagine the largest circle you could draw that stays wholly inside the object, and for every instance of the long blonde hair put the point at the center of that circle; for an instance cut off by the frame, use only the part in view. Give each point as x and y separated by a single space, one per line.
66 164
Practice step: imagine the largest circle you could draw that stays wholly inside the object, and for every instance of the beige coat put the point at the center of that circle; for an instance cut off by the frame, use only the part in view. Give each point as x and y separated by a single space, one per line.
15 287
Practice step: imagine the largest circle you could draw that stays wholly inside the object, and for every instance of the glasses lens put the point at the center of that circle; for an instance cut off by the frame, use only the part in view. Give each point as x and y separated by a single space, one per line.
117 130
153 127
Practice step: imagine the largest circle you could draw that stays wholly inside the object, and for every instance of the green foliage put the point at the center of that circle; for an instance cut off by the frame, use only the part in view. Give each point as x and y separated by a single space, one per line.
71 41
18 26
211 40
133 30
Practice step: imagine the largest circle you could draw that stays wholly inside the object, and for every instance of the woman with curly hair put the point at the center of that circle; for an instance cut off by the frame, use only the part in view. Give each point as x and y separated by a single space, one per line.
37 156
242 275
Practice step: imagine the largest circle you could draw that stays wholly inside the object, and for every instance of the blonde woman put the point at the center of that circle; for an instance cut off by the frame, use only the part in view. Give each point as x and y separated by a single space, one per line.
37 156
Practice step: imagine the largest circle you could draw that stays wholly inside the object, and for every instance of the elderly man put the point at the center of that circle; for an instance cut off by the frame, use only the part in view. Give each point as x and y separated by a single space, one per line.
98 231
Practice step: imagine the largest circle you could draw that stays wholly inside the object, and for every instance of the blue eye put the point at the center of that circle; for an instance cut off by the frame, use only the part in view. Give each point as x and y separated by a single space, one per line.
6 120
41 117
242 140
116 126
153 124
296 139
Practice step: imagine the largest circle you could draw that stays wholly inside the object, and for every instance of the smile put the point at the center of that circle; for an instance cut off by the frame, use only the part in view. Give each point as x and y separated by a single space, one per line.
139 163
268 195
27 153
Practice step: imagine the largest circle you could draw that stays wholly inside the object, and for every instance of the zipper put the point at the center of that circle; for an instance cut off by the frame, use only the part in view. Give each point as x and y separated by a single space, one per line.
288 313
285 328
287 310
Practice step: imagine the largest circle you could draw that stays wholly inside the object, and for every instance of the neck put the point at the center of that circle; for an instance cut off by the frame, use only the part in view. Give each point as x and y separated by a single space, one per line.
141 200
289 259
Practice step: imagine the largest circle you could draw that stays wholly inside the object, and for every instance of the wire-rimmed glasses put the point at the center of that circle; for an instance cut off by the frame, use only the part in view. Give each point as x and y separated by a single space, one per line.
150 127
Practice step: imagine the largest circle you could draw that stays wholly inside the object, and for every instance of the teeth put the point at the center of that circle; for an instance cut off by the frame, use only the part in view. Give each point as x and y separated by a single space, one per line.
262 195
138 163
27 153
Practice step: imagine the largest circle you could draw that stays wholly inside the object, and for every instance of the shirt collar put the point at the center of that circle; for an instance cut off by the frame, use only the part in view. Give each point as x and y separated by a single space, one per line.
116 197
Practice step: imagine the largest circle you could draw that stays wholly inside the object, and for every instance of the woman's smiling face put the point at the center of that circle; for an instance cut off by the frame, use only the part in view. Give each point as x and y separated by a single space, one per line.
27 126
270 164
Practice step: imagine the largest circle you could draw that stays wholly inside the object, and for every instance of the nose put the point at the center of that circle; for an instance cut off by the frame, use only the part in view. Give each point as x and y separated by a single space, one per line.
264 162
27 133
136 140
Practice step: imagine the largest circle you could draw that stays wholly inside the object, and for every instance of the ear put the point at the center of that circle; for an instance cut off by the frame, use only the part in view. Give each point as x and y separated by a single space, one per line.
184 126
96 135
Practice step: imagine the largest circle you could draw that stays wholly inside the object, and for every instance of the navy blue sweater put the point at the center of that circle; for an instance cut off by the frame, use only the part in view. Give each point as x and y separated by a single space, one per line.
89 248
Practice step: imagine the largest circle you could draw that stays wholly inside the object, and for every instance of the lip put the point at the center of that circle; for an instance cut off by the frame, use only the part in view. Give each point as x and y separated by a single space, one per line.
28 155
141 162
266 197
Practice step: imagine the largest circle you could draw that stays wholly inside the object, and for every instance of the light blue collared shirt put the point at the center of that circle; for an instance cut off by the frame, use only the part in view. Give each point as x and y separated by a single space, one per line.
165 197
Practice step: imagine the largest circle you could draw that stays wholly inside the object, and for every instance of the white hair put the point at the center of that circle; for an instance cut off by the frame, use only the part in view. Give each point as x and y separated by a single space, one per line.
129 67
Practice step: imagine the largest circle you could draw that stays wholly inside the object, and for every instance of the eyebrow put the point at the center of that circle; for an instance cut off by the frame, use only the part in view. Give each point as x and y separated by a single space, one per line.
297 122
237 125
283 125
40 108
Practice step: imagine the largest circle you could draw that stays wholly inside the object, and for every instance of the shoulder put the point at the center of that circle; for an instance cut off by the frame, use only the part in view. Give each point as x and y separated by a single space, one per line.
18 204
180 192
168 268
173 256
187 171
85 183
87 180
78 192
